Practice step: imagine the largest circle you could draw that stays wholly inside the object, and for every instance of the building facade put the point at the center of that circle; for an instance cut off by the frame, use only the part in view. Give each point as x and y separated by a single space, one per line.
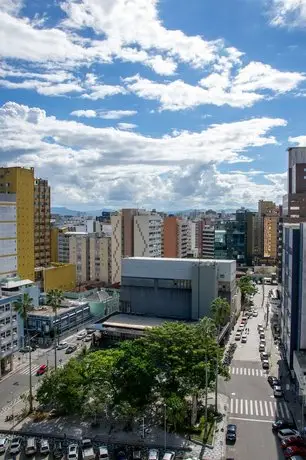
9 332
176 288
116 247
175 237
79 254
8 235
265 208
100 258
20 181
208 242
147 235
42 227
270 237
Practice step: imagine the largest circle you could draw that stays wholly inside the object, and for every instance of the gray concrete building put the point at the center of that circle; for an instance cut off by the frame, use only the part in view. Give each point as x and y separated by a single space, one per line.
176 288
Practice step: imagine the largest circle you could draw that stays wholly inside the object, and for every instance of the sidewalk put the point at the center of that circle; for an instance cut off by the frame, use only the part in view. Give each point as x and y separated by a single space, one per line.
219 450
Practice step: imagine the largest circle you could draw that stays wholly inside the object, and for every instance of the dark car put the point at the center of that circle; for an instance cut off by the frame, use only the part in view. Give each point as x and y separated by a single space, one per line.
121 455
58 451
70 349
282 424
273 381
292 441
295 450
231 433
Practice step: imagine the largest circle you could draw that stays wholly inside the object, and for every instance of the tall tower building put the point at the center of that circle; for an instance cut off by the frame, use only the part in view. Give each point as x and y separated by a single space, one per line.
175 237
8 235
147 235
42 229
20 181
265 208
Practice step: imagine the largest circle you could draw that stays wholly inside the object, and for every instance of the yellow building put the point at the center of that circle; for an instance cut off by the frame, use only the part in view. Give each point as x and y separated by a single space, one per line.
42 223
270 224
57 276
21 182
8 235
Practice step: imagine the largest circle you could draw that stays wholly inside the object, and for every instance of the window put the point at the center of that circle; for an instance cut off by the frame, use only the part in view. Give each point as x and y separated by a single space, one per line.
7 307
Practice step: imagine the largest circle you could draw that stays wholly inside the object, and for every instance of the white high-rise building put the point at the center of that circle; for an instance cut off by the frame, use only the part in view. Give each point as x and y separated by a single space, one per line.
148 235
100 258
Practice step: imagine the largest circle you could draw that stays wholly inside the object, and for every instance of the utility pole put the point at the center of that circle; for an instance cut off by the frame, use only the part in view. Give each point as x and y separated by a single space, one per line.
30 379
206 396
165 426
216 385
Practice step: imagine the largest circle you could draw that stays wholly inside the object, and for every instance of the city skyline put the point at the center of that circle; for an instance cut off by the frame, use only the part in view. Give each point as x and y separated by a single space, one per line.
153 104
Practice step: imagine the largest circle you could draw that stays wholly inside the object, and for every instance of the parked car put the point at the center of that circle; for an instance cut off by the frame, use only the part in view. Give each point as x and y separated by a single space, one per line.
295 450
265 364
238 336
281 424
262 342
70 349
240 328
153 454
262 347
231 433
264 355
44 448
255 313
87 449
262 336
103 453
121 455
58 450
31 447
293 441
88 338
273 380
244 338
277 391
81 335
287 433
15 446
62 345
136 454
73 452
4 442
42 369
170 455
260 327
27 349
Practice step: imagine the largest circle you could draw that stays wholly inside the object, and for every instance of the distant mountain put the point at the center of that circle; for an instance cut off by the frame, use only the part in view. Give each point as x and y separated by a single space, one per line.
62 211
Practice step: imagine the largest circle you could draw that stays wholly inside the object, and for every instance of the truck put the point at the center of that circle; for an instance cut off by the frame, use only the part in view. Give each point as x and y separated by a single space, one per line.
87 450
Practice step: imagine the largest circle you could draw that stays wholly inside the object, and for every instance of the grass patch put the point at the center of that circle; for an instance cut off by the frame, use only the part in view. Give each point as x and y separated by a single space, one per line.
199 435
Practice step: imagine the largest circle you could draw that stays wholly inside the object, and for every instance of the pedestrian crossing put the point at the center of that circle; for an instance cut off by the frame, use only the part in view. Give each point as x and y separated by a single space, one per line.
258 408
249 372
26 371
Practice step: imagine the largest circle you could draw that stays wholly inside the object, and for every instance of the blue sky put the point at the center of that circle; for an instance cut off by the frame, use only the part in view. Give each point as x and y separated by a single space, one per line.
166 104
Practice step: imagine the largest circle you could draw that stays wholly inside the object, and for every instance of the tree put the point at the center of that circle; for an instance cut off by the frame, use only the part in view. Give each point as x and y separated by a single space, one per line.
54 299
247 288
23 307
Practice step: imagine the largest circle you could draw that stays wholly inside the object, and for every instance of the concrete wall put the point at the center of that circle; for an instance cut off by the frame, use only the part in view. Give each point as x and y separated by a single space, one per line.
61 277
204 289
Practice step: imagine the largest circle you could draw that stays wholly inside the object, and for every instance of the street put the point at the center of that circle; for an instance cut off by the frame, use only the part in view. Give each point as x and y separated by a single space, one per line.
252 404
17 382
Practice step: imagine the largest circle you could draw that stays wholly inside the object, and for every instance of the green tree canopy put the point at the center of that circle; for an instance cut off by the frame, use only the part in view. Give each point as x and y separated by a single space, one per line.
247 288
220 311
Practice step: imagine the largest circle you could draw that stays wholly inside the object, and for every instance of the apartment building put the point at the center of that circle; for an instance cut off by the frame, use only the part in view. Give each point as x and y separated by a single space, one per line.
147 235
265 208
175 236
100 256
270 237
116 246
9 331
79 254
208 242
42 228
20 182
8 235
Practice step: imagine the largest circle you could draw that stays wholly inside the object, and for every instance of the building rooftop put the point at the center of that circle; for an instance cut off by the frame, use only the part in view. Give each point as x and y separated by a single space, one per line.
15 284
46 310
123 320
183 260
76 233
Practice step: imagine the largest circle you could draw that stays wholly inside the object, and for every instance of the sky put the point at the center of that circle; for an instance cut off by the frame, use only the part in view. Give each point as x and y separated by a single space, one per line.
168 104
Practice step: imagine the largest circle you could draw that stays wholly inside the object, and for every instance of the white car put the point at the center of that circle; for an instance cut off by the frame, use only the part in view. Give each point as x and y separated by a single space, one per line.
255 313
44 447
4 442
244 338
238 336
169 455
103 453
73 452
265 364
153 454
81 335
277 391
62 345
287 433
15 446
88 338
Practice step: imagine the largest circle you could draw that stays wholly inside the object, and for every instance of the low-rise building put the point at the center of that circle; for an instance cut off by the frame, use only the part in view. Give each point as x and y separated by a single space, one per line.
10 337
56 276
176 288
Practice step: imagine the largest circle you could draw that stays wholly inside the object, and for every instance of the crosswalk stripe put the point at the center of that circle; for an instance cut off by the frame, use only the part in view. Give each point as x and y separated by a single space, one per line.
251 407
241 406
241 370
236 406
260 408
253 372
256 372
261 373
246 407
232 405
266 408
256 407
249 371
244 371
272 409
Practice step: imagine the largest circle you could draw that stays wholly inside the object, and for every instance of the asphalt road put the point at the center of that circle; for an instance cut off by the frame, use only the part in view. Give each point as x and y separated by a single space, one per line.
252 404
17 382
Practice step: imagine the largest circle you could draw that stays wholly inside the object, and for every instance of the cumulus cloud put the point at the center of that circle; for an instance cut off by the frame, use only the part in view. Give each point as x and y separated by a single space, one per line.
119 163
102 91
126 126
117 114
84 113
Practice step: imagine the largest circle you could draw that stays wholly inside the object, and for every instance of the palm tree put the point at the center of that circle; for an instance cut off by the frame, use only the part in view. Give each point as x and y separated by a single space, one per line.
54 299
23 307
220 310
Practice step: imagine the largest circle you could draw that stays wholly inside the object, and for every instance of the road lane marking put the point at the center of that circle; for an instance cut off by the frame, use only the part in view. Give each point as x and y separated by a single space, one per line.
272 409
260 408
253 372
241 406
236 406
249 371
287 410
232 405
256 370
256 407
233 370
251 407
244 371
261 373
241 370
266 408
251 419
246 407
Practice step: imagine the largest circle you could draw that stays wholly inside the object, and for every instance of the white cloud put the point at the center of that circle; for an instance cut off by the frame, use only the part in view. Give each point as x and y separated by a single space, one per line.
102 91
43 87
84 113
290 13
117 114
126 167
126 126
299 140
11 6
